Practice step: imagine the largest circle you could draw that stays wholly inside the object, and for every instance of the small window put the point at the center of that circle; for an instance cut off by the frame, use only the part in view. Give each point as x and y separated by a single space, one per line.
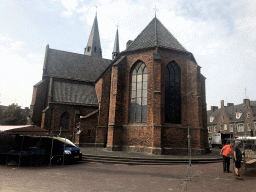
64 120
95 49
215 129
240 128
222 117
89 133
248 115
221 128
230 128
211 119
209 130
88 48
225 127
238 115
249 127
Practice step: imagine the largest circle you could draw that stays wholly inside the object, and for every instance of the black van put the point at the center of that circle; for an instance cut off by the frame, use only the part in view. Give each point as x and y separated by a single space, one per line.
45 149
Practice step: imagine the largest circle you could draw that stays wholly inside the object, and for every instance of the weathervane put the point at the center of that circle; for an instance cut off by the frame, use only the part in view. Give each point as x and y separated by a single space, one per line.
155 10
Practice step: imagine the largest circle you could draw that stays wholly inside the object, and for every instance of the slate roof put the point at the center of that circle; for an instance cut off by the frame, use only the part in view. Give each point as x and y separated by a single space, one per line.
231 110
155 34
214 114
74 66
116 44
94 41
64 92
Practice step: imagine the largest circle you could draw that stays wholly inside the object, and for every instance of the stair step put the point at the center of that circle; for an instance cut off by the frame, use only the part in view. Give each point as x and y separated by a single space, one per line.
138 161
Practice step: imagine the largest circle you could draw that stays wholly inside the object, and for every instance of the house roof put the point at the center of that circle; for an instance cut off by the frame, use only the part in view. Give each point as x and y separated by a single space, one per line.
213 114
155 34
74 66
231 110
74 92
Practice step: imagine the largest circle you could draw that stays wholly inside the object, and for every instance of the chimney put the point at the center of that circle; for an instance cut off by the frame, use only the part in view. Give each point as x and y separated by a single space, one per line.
247 102
222 103
128 43
230 104
213 108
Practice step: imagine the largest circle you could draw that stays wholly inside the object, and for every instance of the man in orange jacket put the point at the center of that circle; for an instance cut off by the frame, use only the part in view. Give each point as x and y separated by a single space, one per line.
226 151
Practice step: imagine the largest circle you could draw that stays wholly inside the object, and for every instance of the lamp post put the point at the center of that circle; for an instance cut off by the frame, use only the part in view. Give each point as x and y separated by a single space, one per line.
189 148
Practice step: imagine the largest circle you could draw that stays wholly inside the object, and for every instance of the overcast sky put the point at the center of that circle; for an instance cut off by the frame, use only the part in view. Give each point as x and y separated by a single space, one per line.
220 33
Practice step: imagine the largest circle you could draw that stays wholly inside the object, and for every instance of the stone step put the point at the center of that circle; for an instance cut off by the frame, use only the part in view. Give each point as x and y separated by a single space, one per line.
143 161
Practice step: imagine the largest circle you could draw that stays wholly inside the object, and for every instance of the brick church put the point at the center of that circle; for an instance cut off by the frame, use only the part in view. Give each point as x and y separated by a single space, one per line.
144 99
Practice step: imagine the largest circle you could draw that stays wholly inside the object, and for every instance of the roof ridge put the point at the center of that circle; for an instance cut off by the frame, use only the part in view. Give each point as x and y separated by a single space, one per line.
80 54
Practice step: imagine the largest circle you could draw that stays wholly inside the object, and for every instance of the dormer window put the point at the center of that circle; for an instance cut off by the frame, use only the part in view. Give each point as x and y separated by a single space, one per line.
248 115
211 118
238 115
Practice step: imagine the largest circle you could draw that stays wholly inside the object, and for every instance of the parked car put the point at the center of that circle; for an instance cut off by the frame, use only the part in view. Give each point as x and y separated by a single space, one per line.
46 149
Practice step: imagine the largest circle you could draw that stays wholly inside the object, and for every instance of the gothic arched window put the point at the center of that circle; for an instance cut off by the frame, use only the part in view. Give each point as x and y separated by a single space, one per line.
172 94
139 84
64 122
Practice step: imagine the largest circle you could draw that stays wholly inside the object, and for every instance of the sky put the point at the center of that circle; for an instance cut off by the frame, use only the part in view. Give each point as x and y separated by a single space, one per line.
221 34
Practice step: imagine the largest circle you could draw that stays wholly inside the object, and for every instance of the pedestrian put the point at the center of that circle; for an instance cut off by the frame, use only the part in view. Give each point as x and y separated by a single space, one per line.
226 151
238 159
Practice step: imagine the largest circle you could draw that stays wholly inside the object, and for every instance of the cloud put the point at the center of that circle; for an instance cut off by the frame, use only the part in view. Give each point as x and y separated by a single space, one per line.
20 70
69 5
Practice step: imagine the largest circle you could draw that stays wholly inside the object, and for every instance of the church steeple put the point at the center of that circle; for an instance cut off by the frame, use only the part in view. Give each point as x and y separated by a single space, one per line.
93 47
116 46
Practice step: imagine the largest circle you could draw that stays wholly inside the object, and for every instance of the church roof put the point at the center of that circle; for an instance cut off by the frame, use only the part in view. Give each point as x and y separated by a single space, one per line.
155 34
74 66
73 92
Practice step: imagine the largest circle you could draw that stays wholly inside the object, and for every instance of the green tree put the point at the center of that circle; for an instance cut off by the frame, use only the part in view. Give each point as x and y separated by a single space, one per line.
13 115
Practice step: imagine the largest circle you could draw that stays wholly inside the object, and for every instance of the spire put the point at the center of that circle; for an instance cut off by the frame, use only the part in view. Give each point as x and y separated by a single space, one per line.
93 47
116 46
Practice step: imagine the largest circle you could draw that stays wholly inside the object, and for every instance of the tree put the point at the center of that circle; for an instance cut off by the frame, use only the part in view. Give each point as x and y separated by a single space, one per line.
13 115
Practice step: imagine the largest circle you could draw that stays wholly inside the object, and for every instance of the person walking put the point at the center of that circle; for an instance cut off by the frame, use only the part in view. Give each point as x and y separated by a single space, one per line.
238 159
226 151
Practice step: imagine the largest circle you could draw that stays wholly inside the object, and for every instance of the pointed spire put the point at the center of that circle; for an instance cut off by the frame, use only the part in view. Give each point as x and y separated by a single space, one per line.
93 47
116 46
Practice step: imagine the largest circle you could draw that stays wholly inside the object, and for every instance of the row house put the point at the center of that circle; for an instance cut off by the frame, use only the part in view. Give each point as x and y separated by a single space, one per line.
232 120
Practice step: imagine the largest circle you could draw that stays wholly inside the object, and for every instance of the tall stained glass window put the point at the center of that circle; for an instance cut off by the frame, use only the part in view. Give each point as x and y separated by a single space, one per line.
139 84
172 94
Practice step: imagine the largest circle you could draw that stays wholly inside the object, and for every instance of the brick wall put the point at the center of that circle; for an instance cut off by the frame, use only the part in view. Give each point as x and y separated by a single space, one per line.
38 103
192 101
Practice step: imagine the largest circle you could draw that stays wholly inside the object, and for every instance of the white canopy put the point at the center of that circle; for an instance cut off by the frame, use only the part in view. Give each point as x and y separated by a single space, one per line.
246 138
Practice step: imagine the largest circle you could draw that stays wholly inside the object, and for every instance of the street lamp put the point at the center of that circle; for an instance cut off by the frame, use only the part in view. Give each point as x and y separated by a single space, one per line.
189 148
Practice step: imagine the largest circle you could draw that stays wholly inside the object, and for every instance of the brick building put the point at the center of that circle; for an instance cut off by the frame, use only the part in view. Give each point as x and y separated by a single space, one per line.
233 120
144 99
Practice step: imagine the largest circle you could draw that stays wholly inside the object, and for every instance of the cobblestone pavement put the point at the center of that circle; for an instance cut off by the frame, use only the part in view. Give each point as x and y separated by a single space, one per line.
90 177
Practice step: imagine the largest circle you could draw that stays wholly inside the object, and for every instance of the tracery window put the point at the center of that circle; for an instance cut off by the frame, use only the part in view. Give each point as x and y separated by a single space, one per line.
64 122
139 79
172 94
